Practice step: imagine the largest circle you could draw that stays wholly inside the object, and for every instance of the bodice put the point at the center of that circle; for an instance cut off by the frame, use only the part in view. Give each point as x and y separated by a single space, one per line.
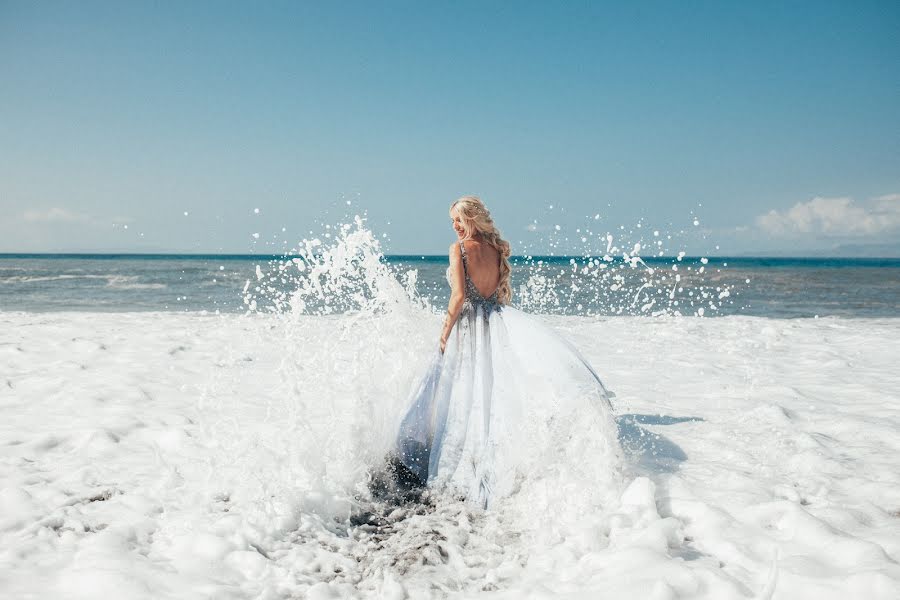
473 296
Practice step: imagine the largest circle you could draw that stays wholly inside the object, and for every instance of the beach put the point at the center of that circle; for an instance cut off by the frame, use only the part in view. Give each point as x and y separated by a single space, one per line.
368 301
190 455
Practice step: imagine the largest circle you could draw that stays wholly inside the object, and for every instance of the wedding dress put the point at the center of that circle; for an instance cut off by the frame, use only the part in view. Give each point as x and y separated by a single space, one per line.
507 399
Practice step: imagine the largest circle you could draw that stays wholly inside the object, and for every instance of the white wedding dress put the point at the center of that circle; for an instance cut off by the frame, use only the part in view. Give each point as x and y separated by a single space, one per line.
508 399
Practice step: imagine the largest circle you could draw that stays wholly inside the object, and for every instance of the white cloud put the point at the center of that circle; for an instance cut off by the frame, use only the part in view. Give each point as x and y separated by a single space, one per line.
54 215
835 217
64 215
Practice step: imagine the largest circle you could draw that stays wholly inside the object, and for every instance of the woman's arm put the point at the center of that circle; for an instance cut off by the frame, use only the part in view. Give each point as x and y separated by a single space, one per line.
457 293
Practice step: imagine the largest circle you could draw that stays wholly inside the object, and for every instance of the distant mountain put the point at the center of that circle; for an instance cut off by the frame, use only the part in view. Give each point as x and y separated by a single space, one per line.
861 250
886 250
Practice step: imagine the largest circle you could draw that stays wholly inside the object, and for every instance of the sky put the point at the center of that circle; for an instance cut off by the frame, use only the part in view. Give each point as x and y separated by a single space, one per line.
190 127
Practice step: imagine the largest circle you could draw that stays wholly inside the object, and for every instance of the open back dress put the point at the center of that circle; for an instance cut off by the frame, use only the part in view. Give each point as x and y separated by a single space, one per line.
507 393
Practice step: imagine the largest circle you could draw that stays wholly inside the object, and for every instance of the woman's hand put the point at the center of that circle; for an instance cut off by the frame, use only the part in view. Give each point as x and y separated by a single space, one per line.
457 293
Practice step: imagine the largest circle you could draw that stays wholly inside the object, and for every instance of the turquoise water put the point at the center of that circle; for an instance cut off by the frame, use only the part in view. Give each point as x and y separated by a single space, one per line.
771 287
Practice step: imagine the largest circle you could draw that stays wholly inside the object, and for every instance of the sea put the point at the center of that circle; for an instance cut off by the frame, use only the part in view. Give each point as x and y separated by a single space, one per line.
218 423
780 288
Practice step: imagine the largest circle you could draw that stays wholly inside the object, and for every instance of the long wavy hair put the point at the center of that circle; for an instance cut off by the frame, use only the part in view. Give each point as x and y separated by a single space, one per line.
477 222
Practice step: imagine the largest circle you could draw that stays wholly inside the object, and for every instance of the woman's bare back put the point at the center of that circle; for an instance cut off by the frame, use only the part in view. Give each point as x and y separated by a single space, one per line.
483 266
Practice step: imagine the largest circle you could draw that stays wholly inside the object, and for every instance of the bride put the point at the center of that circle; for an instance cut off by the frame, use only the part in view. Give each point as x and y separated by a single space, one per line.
505 397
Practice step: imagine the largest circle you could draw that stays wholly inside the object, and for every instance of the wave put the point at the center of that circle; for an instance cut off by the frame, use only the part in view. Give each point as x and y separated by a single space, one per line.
122 282
130 282
42 278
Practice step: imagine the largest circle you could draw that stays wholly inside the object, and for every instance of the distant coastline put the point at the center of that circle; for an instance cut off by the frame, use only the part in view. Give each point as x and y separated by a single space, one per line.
773 259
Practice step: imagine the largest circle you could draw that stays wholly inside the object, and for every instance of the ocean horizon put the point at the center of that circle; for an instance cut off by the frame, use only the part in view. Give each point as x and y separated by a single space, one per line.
870 260
777 287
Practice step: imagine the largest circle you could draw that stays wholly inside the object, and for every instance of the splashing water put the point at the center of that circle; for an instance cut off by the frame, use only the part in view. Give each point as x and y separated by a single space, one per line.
347 332
311 400
349 273
623 285
336 336
632 272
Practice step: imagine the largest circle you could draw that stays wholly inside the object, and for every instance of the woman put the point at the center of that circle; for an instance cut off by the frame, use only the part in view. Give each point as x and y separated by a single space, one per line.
504 392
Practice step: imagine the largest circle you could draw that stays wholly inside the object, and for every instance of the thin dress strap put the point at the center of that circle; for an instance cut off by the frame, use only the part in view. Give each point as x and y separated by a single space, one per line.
462 248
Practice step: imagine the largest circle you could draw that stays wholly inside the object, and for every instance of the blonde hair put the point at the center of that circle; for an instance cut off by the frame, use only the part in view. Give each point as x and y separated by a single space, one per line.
476 221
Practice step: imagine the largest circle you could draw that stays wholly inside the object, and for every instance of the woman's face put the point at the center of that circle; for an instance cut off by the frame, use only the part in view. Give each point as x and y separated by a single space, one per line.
456 221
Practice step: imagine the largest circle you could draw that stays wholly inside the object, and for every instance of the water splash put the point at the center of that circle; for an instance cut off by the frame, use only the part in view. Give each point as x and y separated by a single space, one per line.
342 330
345 274
637 270
347 326
624 283
334 334
344 270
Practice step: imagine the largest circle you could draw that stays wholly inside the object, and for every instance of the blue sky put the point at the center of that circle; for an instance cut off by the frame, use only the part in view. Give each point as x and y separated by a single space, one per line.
776 125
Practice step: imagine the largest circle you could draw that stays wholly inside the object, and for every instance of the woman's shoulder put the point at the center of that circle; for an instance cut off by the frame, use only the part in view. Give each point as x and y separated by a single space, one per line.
479 247
455 251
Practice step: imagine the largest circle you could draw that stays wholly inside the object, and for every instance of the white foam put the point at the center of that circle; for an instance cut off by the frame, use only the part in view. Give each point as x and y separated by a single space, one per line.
169 454
155 455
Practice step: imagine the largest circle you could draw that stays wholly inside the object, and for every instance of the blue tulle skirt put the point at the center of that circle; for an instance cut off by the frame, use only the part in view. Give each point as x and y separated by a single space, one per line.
507 394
